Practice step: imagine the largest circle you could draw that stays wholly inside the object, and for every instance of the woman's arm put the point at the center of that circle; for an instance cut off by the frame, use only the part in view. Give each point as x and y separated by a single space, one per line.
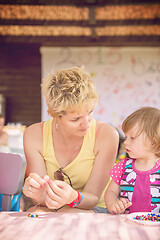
105 150
34 183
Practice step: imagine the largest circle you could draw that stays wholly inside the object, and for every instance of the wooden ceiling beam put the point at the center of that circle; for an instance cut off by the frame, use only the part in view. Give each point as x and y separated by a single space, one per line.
116 41
95 27
73 13
78 2
84 23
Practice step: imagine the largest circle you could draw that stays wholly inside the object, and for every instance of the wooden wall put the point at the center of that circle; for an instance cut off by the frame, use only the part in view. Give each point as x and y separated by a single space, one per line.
20 78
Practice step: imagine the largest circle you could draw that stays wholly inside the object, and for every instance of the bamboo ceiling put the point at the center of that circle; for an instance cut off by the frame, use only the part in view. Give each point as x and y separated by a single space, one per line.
45 24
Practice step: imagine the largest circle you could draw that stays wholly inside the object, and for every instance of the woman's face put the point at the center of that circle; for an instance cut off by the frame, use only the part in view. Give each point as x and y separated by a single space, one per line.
76 123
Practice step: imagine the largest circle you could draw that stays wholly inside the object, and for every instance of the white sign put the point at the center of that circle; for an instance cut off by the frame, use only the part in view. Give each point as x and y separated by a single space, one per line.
126 78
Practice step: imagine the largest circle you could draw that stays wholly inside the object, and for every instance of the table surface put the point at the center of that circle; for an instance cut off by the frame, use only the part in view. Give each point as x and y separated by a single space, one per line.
77 226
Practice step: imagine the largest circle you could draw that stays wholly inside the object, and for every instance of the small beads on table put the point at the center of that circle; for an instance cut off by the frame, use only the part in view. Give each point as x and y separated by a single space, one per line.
32 215
149 217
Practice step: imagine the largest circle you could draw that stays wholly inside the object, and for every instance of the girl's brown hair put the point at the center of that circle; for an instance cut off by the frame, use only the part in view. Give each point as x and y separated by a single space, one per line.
148 120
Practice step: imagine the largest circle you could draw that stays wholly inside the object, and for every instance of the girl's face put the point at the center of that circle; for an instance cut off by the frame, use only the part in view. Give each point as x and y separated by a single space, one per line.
137 146
76 123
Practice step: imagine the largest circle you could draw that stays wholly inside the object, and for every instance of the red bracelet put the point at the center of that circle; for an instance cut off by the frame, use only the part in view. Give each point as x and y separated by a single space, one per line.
77 201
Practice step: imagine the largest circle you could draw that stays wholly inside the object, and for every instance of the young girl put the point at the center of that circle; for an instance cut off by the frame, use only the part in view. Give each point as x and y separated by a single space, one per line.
135 184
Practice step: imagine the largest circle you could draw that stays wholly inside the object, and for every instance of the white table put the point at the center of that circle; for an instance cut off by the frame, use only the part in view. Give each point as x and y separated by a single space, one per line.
76 226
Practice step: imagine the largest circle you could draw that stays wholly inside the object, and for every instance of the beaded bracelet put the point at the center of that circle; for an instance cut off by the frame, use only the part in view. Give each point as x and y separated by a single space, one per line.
77 201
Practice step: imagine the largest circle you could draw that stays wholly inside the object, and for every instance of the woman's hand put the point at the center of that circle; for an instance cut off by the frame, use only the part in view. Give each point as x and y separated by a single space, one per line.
59 193
34 187
119 206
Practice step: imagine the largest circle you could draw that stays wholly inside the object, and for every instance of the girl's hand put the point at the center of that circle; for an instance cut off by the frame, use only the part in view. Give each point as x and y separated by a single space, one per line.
119 206
34 186
59 193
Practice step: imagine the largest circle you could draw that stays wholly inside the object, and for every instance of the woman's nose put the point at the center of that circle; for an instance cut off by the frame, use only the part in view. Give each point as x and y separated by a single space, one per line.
86 122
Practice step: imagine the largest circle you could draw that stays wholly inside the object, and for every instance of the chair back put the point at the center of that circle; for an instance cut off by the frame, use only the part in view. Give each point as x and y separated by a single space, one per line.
12 172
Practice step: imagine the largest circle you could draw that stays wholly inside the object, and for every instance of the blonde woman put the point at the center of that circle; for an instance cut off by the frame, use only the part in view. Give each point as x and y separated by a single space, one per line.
71 146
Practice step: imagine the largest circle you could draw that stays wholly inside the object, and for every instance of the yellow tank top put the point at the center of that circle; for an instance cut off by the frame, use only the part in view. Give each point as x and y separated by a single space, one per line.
80 168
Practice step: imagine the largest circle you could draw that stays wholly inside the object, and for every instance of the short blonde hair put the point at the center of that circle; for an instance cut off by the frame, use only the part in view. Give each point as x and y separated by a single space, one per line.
148 120
69 89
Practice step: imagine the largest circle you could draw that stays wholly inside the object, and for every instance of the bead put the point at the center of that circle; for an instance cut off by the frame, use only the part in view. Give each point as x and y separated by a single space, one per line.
149 217
32 215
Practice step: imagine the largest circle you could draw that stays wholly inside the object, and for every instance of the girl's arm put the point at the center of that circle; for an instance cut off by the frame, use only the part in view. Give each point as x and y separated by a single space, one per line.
115 204
111 196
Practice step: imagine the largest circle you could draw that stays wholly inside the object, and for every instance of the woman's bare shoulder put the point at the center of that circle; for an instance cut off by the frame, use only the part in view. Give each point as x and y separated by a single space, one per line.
106 134
105 129
33 130
33 138
106 141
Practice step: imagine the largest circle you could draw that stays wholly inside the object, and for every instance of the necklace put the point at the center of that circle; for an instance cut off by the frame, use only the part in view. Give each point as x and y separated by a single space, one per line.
76 147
